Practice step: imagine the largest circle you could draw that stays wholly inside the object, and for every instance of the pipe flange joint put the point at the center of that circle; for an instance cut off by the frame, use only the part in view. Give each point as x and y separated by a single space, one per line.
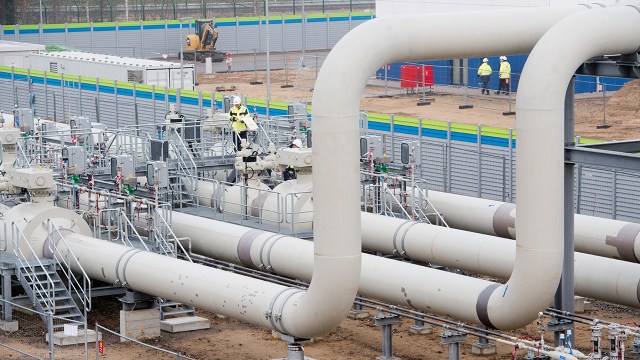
275 318
122 279
404 227
637 7
265 262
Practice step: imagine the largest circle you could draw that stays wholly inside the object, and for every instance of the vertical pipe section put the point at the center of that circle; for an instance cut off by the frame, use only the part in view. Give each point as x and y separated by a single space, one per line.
540 111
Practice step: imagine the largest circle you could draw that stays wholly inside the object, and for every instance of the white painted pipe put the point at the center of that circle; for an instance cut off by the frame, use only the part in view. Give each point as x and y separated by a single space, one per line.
593 235
215 290
595 277
336 100
389 280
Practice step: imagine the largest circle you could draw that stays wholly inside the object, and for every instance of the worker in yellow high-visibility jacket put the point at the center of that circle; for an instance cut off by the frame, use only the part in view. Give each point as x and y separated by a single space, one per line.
505 76
484 72
236 115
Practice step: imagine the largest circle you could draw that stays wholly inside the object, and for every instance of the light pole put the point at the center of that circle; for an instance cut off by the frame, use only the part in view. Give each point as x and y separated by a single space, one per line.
266 10
181 52
40 31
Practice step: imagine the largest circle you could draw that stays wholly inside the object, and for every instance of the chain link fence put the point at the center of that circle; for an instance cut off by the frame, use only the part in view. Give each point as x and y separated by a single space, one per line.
112 345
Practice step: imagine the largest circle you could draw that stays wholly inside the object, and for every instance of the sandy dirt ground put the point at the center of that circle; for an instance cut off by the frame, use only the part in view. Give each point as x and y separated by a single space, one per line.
360 339
621 109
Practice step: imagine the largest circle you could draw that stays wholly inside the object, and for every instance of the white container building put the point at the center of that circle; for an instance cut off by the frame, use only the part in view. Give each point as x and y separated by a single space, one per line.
143 71
17 53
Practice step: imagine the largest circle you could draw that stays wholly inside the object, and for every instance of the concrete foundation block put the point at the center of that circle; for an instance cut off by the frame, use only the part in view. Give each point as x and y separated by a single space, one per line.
578 304
9 326
184 324
62 339
421 330
358 314
483 349
140 324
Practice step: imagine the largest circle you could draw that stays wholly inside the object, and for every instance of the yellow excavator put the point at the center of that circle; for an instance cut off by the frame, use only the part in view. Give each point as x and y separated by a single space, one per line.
202 44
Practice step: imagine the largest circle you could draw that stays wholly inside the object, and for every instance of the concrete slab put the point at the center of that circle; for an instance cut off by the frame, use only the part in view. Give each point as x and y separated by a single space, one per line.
62 339
9 326
421 330
184 324
483 349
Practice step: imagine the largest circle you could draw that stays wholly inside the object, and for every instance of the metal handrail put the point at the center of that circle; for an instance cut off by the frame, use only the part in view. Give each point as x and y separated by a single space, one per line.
82 291
21 156
424 197
181 152
45 292
160 230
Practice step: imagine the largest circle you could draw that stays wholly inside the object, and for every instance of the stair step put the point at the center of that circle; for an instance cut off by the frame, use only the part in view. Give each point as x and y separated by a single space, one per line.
58 298
60 307
176 312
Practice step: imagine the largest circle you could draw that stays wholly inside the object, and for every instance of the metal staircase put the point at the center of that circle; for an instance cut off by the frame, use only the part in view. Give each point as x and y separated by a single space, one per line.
170 308
48 293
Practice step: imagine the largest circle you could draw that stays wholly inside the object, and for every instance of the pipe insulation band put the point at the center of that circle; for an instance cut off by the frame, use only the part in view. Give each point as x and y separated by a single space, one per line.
637 7
503 220
625 241
122 280
481 305
52 242
266 263
274 318
402 226
284 302
244 247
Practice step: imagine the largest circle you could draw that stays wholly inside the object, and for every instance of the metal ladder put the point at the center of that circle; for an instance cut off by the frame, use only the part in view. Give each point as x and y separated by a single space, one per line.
48 293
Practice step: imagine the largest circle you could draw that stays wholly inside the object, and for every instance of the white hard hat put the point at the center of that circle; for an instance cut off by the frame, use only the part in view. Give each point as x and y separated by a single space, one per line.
237 100
485 60
503 58
297 142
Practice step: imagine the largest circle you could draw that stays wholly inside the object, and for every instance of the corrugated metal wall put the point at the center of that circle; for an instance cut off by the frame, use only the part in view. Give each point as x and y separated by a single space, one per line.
154 38
458 158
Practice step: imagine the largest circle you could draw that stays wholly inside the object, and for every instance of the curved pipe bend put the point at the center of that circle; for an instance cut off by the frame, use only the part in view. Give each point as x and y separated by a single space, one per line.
336 100
540 128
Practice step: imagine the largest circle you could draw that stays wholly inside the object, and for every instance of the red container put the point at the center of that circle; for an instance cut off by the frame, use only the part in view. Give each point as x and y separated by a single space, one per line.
411 76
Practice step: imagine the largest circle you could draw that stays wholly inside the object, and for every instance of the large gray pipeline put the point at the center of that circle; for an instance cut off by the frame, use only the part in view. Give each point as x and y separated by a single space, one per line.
335 113
593 235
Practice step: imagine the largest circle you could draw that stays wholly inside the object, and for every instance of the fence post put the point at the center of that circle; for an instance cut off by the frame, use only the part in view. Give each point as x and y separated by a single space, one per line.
328 33
391 132
260 32
79 110
97 341
46 96
49 316
420 144
200 103
614 202
13 87
91 27
115 95
178 100
17 33
166 37
142 39
66 34
510 165
153 102
237 35
117 38
97 99
448 160
479 161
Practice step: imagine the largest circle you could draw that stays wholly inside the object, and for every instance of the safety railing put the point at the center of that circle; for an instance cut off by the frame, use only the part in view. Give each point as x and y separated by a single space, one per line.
165 238
186 165
22 160
43 288
237 203
70 266
110 221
